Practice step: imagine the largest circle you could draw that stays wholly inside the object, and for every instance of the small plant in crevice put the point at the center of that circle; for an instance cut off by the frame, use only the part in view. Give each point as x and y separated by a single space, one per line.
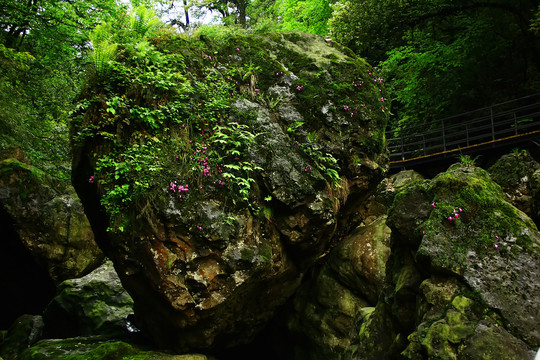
467 161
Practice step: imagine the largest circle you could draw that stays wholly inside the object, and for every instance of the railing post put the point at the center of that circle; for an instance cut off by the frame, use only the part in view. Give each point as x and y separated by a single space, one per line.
492 124
515 124
467 133
402 147
424 143
443 136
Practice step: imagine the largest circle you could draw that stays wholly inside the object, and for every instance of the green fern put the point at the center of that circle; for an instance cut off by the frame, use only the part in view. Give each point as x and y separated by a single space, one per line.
104 48
144 20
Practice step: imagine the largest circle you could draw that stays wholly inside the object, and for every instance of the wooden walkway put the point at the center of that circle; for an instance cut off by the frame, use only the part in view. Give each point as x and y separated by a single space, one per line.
498 125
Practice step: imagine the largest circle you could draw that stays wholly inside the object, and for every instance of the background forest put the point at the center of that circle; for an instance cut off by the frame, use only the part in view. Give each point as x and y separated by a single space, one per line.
438 57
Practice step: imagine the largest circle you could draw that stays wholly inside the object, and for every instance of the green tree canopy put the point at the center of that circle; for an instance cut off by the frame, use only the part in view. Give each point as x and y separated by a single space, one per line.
443 57
43 53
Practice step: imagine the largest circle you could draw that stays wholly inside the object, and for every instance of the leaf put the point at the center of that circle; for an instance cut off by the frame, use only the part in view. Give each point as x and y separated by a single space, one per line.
231 166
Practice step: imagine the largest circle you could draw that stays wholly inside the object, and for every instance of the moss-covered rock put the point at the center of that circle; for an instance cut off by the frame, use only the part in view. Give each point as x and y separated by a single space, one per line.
48 219
491 341
324 318
483 255
94 304
22 334
97 348
359 260
221 170
377 337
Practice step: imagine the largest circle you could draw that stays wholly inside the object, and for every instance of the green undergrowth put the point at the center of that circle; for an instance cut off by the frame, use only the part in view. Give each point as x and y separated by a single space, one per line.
157 112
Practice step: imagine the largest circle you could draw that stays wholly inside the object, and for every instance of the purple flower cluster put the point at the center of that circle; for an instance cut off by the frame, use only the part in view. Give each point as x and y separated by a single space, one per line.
175 188
455 215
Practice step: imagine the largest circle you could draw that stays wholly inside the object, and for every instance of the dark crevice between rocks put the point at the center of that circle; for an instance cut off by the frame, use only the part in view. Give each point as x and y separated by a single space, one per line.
87 193
26 285
275 341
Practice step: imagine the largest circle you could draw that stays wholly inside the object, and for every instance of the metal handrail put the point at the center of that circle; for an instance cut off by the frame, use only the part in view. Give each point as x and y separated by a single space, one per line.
491 124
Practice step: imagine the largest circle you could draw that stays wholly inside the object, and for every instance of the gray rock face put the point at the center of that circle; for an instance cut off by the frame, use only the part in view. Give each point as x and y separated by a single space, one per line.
95 304
514 173
509 286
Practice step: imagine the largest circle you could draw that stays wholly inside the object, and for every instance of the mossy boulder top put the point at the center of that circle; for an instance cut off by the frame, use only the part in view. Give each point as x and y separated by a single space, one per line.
215 170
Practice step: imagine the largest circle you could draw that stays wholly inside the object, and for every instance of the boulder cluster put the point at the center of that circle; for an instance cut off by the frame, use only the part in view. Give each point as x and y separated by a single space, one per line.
269 222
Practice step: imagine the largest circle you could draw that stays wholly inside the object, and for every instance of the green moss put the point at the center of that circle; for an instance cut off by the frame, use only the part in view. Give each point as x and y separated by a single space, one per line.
462 303
460 326
436 343
11 166
485 220
95 349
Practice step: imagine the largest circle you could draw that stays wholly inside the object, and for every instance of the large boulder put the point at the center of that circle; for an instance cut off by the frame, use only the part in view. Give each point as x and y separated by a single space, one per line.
95 304
216 182
476 260
46 236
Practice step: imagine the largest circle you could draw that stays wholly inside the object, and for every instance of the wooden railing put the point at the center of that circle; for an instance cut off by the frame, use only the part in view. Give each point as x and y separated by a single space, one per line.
496 124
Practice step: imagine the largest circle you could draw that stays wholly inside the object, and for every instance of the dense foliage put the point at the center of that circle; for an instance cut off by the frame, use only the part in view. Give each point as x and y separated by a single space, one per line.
444 57
439 57
43 52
